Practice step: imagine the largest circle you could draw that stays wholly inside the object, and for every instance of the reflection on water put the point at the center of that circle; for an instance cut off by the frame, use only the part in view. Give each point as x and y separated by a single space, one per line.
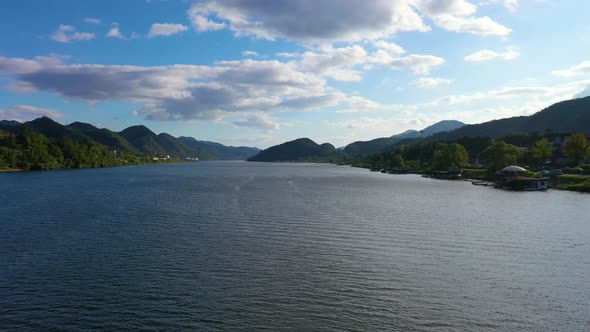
235 245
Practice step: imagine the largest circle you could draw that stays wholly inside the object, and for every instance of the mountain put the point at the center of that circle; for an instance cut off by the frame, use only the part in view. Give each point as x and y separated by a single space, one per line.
135 140
302 149
220 151
380 144
105 137
442 126
9 123
53 130
143 139
407 134
567 117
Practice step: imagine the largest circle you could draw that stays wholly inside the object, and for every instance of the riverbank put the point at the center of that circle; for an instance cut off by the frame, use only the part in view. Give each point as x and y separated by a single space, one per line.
151 162
10 170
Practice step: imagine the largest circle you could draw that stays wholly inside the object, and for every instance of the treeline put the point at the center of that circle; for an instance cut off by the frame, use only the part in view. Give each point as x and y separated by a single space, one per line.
533 150
29 150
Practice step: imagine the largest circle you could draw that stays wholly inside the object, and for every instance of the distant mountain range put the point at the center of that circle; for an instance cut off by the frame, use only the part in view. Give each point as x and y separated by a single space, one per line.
569 116
135 139
563 117
302 149
379 144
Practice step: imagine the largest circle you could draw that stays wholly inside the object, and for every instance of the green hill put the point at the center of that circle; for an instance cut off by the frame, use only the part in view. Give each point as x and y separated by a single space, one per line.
105 137
380 144
53 130
302 149
567 117
137 140
220 151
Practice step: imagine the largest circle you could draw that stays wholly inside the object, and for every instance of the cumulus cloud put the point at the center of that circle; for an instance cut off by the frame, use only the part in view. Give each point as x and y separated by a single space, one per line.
326 20
391 48
560 92
578 70
458 16
249 53
68 33
431 82
26 113
339 20
487 55
202 23
180 92
511 5
258 120
287 55
114 32
92 20
418 64
448 7
165 29
336 63
484 26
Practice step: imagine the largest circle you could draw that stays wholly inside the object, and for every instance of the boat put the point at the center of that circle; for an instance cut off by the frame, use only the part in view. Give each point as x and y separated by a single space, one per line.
480 183
523 184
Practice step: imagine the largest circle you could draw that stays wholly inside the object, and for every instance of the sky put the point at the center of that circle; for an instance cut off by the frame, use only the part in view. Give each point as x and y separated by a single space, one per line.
262 72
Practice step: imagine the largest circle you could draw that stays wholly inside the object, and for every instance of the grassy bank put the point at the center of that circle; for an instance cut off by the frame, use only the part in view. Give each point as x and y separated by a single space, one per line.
571 182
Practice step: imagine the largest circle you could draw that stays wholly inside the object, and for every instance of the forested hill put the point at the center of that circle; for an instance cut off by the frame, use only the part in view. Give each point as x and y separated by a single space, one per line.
380 144
220 151
135 140
569 116
302 149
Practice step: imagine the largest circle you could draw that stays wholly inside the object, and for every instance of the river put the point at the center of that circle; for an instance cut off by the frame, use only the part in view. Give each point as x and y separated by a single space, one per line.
304 247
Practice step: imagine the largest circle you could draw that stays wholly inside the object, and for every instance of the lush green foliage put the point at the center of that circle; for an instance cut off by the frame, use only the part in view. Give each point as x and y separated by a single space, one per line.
542 150
302 149
30 150
500 155
566 116
577 147
449 155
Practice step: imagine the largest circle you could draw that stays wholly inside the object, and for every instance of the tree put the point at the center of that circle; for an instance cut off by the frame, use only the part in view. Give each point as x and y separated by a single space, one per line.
542 150
397 161
500 155
577 147
451 155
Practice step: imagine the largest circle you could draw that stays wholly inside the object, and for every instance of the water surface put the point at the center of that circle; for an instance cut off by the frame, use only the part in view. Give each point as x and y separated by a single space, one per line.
253 246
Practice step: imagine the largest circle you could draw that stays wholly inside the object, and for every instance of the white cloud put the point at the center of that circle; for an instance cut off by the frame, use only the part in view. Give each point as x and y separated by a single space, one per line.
391 48
483 26
418 64
68 33
287 55
330 21
562 92
448 7
201 23
578 70
457 16
326 20
258 120
166 29
114 32
337 64
511 5
431 82
26 113
249 53
180 92
92 20
487 55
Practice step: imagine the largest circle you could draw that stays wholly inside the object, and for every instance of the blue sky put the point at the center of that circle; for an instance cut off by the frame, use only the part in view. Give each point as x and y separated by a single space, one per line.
261 72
